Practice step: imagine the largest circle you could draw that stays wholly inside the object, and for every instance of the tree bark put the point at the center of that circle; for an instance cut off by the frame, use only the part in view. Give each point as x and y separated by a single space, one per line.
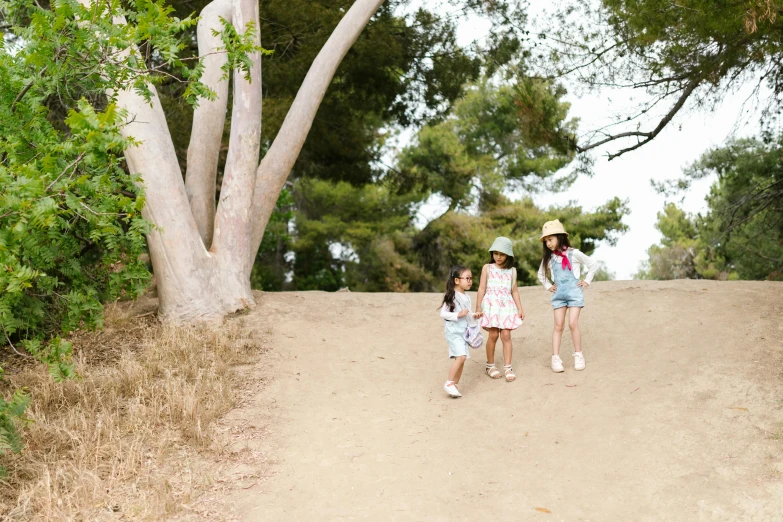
209 119
233 221
183 267
277 164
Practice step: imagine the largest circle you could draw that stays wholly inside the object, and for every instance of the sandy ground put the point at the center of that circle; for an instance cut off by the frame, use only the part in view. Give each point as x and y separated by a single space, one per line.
678 416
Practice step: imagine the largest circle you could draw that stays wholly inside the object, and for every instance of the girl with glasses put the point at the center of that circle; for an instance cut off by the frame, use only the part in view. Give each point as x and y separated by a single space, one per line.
454 309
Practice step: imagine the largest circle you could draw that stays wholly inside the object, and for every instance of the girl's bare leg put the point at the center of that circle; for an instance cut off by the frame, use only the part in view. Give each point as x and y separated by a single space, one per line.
458 375
491 341
573 324
557 332
505 337
455 371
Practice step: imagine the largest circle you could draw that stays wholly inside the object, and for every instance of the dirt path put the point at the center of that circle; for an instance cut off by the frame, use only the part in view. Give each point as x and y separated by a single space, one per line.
678 416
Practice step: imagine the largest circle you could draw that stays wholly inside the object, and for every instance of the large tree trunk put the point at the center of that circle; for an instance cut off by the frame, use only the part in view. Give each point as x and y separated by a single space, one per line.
202 257
183 267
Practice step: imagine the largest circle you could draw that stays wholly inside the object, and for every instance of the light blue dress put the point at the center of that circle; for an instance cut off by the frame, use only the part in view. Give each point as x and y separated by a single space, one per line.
454 327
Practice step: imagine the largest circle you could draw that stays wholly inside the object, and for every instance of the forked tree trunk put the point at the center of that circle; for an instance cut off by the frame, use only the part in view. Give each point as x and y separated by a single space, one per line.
202 256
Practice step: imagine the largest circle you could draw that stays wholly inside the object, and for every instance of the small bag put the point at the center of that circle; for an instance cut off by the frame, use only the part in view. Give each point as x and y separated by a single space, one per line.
473 332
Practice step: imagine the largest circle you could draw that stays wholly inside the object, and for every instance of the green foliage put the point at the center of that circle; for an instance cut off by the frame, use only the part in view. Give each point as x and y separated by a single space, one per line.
716 41
269 270
674 257
691 53
603 273
404 69
741 234
372 244
401 70
496 138
10 411
504 137
238 47
357 222
460 238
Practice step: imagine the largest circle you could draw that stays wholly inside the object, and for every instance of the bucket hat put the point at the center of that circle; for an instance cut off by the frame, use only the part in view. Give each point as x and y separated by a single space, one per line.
551 228
502 245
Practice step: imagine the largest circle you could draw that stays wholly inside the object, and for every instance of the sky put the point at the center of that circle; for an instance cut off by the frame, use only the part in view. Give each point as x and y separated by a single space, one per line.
682 142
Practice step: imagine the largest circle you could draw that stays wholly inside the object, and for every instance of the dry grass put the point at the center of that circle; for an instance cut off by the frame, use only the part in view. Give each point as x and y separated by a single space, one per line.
106 446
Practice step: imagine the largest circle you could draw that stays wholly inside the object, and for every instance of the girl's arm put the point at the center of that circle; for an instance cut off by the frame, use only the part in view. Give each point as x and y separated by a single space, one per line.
542 278
482 289
589 264
448 315
460 310
515 293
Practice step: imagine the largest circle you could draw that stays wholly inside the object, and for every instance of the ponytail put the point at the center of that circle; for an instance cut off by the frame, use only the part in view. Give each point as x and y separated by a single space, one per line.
448 298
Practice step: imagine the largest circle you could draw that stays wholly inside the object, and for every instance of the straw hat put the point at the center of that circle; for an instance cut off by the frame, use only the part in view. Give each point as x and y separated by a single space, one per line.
502 245
551 228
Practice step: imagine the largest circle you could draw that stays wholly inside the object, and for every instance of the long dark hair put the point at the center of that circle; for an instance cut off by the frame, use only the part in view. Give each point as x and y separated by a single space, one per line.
448 298
508 263
562 244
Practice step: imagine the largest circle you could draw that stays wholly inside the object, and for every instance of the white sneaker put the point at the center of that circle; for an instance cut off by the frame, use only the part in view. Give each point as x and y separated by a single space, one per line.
557 364
451 389
579 361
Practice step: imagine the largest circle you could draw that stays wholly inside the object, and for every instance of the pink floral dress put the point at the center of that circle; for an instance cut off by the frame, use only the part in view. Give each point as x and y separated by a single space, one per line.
498 306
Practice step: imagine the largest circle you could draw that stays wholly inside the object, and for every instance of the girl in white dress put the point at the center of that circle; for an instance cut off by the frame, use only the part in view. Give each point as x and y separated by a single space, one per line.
498 298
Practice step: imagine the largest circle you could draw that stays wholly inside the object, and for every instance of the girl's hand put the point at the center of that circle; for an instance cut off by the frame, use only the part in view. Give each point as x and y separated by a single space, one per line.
521 314
462 313
553 288
478 314
583 284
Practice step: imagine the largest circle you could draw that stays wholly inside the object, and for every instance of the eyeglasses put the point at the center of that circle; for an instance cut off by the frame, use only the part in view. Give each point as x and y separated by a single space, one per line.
468 278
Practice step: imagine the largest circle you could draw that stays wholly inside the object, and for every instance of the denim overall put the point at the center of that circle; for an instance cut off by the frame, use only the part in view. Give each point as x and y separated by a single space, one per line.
454 332
567 293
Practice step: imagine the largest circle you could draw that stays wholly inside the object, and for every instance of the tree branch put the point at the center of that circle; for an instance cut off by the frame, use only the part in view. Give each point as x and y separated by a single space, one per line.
762 194
25 91
8 339
778 262
66 169
233 222
648 136
277 164
209 120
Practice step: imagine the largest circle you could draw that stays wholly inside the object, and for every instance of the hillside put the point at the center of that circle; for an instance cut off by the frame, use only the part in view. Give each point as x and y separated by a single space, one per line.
678 416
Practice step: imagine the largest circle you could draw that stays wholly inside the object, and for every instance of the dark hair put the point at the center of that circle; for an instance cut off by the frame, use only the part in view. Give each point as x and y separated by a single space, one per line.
508 263
454 273
562 244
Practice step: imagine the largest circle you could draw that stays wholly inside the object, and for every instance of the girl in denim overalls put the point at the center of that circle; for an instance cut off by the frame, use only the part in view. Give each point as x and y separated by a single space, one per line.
559 273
